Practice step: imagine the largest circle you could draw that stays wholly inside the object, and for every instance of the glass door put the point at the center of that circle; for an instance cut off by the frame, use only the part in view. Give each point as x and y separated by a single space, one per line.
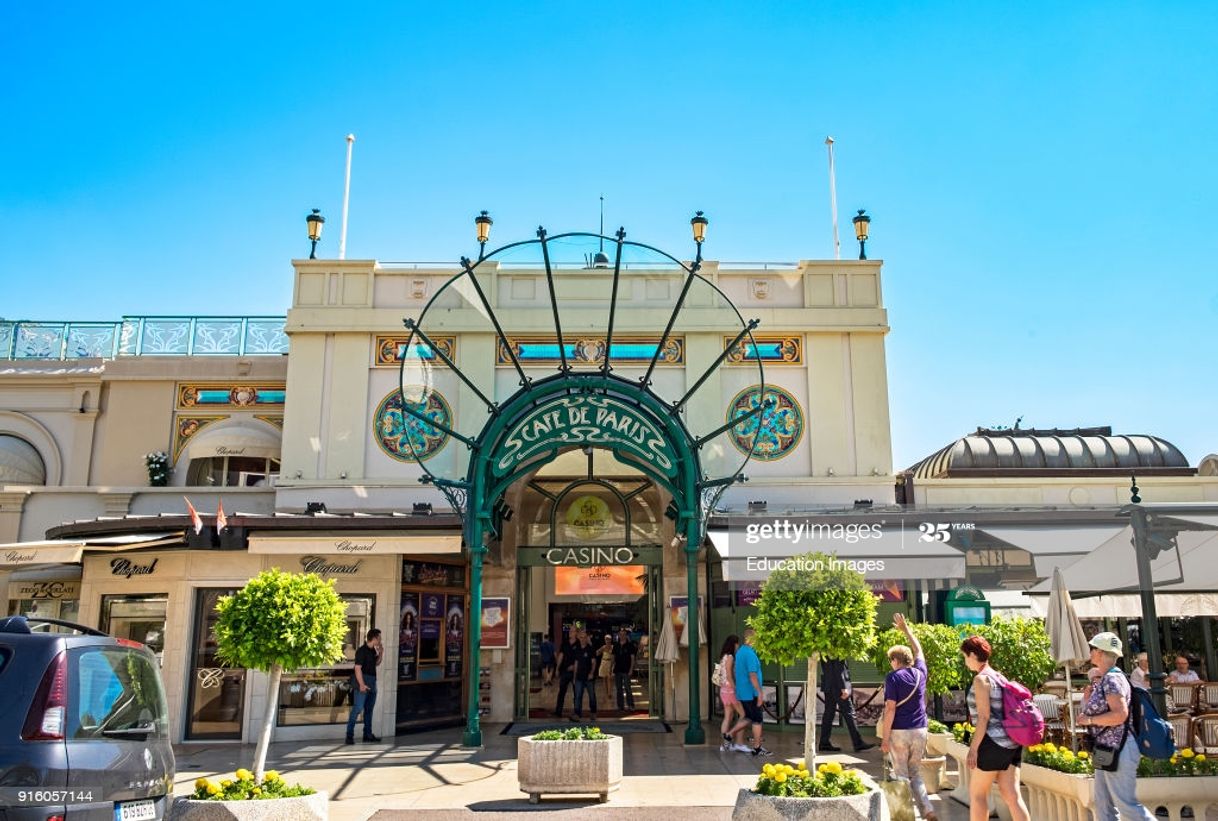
217 693
656 614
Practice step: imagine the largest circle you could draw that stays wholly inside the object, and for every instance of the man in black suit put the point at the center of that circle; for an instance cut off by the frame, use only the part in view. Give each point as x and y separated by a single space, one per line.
835 684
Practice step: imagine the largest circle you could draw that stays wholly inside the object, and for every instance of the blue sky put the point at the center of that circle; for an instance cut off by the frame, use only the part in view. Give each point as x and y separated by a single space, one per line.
1042 179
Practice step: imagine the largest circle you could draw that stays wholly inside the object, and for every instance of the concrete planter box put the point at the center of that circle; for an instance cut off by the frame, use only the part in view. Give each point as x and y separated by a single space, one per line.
313 807
1057 796
936 743
869 806
933 769
566 767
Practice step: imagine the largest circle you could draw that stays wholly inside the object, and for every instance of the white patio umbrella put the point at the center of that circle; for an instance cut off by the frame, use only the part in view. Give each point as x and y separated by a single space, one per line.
701 632
666 650
1067 642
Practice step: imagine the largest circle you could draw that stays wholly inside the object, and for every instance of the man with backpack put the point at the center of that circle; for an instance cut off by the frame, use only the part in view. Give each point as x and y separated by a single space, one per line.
1115 750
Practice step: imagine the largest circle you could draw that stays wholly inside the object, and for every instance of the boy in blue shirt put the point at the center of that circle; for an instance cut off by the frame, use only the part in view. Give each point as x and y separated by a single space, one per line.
748 691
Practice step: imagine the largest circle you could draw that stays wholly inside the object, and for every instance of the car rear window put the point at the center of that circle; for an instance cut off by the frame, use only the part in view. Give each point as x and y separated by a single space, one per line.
115 688
5 655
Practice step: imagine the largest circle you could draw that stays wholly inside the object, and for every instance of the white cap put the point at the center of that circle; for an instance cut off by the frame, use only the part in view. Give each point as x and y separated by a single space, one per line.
1108 642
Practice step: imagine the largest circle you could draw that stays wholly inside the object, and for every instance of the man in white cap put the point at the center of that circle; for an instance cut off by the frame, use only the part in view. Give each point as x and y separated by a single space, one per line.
1105 714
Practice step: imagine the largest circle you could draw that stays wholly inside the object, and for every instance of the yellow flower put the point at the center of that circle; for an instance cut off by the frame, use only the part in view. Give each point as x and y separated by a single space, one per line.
1068 755
768 769
201 783
1187 752
256 791
226 783
212 789
1175 760
271 775
788 769
1083 754
834 768
1050 747
1200 757
244 775
781 777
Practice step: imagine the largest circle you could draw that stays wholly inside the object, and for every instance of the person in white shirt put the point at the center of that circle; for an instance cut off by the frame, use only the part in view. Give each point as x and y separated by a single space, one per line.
1182 674
1140 677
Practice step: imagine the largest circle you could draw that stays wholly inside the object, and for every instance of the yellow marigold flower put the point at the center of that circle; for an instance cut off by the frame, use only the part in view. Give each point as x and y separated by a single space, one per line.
244 775
271 775
1175 760
768 769
212 789
781 777
1187 752
788 769
256 791
822 768
834 767
226 783
200 783
1083 754
1050 747
1200 757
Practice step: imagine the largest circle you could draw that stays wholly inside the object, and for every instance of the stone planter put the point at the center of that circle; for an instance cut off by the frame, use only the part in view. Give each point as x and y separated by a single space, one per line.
1057 796
1198 792
313 807
936 743
751 806
565 767
933 769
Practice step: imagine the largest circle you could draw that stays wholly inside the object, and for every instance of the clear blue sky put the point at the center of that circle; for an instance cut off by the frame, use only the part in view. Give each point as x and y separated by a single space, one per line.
1042 180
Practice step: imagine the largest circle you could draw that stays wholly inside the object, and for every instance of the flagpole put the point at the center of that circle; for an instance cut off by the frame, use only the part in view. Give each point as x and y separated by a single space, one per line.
837 245
342 239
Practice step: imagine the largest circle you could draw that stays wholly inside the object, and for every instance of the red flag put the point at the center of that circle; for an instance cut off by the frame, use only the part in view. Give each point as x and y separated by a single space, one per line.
195 518
221 519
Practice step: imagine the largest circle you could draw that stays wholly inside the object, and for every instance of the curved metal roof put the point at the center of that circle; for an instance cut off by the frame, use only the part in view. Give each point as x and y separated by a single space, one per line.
1077 450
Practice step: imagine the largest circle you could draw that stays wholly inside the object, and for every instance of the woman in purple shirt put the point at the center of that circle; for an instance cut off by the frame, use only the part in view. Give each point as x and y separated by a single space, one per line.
904 723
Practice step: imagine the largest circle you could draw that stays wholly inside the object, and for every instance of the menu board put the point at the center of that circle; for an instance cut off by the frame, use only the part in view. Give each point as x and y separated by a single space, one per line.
496 623
454 636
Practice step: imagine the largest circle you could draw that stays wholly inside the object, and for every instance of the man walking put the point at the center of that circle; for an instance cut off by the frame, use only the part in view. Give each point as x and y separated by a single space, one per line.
547 661
624 652
748 691
367 657
566 665
585 676
835 684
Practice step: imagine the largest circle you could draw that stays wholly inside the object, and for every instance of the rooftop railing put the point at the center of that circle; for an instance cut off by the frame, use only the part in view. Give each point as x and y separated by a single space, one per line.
145 336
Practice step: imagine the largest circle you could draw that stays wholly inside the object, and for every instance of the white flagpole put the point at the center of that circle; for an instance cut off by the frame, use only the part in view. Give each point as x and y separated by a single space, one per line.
837 245
342 239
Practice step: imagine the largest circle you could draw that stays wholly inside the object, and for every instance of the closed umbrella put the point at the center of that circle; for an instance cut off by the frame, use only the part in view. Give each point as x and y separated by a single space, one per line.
701 632
1067 642
666 651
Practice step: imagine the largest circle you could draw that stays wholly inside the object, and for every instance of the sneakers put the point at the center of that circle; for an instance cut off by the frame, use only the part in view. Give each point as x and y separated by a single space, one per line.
742 748
725 747
760 752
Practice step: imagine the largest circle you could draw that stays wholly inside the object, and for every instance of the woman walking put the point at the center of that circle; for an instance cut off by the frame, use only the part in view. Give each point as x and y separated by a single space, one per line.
992 755
605 673
1105 714
904 723
732 711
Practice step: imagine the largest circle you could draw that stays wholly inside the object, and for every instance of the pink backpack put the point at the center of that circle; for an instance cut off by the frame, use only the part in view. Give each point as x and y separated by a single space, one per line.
1021 718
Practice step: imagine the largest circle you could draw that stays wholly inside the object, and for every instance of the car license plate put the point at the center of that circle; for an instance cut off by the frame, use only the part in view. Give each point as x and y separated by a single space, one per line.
135 811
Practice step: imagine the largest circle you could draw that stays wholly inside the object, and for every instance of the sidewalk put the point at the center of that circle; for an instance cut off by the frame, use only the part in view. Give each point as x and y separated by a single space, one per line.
433 777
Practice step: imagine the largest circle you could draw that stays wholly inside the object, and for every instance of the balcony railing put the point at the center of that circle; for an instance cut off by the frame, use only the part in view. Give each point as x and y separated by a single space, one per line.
145 336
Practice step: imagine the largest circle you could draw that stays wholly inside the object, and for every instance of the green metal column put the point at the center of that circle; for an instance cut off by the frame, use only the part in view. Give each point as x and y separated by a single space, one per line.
693 732
477 551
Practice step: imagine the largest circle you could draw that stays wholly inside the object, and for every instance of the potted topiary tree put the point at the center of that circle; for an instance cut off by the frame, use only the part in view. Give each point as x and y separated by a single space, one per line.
813 606
279 621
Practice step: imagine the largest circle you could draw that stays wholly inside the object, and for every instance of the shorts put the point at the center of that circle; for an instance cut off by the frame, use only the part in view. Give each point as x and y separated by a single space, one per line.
728 696
752 710
992 757
549 665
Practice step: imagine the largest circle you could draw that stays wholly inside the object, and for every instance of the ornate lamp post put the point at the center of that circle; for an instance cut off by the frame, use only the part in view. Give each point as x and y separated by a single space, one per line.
483 222
315 221
861 224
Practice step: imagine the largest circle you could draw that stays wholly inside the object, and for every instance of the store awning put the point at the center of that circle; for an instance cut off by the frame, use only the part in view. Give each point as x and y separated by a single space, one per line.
1129 605
1053 545
253 439
50 551
360 544
1112 567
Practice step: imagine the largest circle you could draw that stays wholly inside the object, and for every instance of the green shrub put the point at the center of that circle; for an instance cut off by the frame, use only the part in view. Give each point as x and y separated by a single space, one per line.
936 726
830 781
573 734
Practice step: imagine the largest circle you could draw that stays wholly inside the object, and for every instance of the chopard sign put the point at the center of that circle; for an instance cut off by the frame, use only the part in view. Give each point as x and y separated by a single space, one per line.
17 557
348 546
223 451
128 568
324 567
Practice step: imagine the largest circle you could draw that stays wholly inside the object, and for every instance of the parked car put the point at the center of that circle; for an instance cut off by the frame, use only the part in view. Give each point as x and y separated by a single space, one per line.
84 731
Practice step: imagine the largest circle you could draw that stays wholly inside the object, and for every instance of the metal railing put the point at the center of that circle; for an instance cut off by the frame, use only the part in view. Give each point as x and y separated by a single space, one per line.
144 336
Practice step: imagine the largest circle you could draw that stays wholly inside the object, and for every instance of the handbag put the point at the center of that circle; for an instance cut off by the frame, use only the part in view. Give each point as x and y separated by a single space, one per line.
1104 757
897 794
717 675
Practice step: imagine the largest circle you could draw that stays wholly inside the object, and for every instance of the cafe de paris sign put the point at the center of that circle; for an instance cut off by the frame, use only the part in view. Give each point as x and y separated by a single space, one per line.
585 420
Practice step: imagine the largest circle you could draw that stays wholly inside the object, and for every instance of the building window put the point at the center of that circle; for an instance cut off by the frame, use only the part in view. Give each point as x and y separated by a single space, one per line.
324 696
232 471
20 462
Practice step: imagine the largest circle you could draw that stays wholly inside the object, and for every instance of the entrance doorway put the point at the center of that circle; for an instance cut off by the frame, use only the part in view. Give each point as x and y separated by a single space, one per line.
601 621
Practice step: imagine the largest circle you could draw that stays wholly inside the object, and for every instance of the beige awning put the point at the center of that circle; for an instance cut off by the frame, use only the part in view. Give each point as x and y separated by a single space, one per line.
359 544
1129 605
50 551
246 438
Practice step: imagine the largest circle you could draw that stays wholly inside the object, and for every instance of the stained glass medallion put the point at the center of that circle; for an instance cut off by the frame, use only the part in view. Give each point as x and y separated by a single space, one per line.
776 431
398 433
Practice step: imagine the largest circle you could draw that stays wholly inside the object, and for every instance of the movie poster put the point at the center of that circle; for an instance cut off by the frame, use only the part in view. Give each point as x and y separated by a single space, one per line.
433 606
454 636
408 638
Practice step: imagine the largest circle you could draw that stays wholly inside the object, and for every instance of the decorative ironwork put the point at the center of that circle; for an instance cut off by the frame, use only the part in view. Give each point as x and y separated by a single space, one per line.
265 336
144 336
777 350
590 350
405 437
186 427
229 395
775 432
390 348
39 341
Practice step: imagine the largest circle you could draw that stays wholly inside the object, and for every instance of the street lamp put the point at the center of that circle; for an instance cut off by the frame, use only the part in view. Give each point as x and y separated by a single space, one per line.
315 221
698 224
861 223
483 222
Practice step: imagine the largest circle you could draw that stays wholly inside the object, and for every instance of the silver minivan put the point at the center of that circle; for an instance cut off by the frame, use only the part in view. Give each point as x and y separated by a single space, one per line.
84 731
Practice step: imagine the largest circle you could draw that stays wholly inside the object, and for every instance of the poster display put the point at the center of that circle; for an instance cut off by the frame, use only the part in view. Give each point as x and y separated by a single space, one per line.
408 638
606 580
433 606
678 609
454 636
496 623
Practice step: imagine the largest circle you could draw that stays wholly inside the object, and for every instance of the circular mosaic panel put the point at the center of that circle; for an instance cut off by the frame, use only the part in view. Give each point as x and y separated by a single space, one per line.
777 431
401 434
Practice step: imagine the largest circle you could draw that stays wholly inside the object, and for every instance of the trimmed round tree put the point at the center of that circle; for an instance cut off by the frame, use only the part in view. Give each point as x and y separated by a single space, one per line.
280 621
814 606
1021 649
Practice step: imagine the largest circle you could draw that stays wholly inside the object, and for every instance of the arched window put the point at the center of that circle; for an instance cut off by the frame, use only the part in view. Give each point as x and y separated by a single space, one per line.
244 454
20 462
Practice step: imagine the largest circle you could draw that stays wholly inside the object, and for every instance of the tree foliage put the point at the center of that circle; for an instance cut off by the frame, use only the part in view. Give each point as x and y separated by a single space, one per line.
941 646
814 606
293 620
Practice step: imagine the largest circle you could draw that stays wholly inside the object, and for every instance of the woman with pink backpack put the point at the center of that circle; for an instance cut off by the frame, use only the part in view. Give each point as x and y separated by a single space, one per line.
993 755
